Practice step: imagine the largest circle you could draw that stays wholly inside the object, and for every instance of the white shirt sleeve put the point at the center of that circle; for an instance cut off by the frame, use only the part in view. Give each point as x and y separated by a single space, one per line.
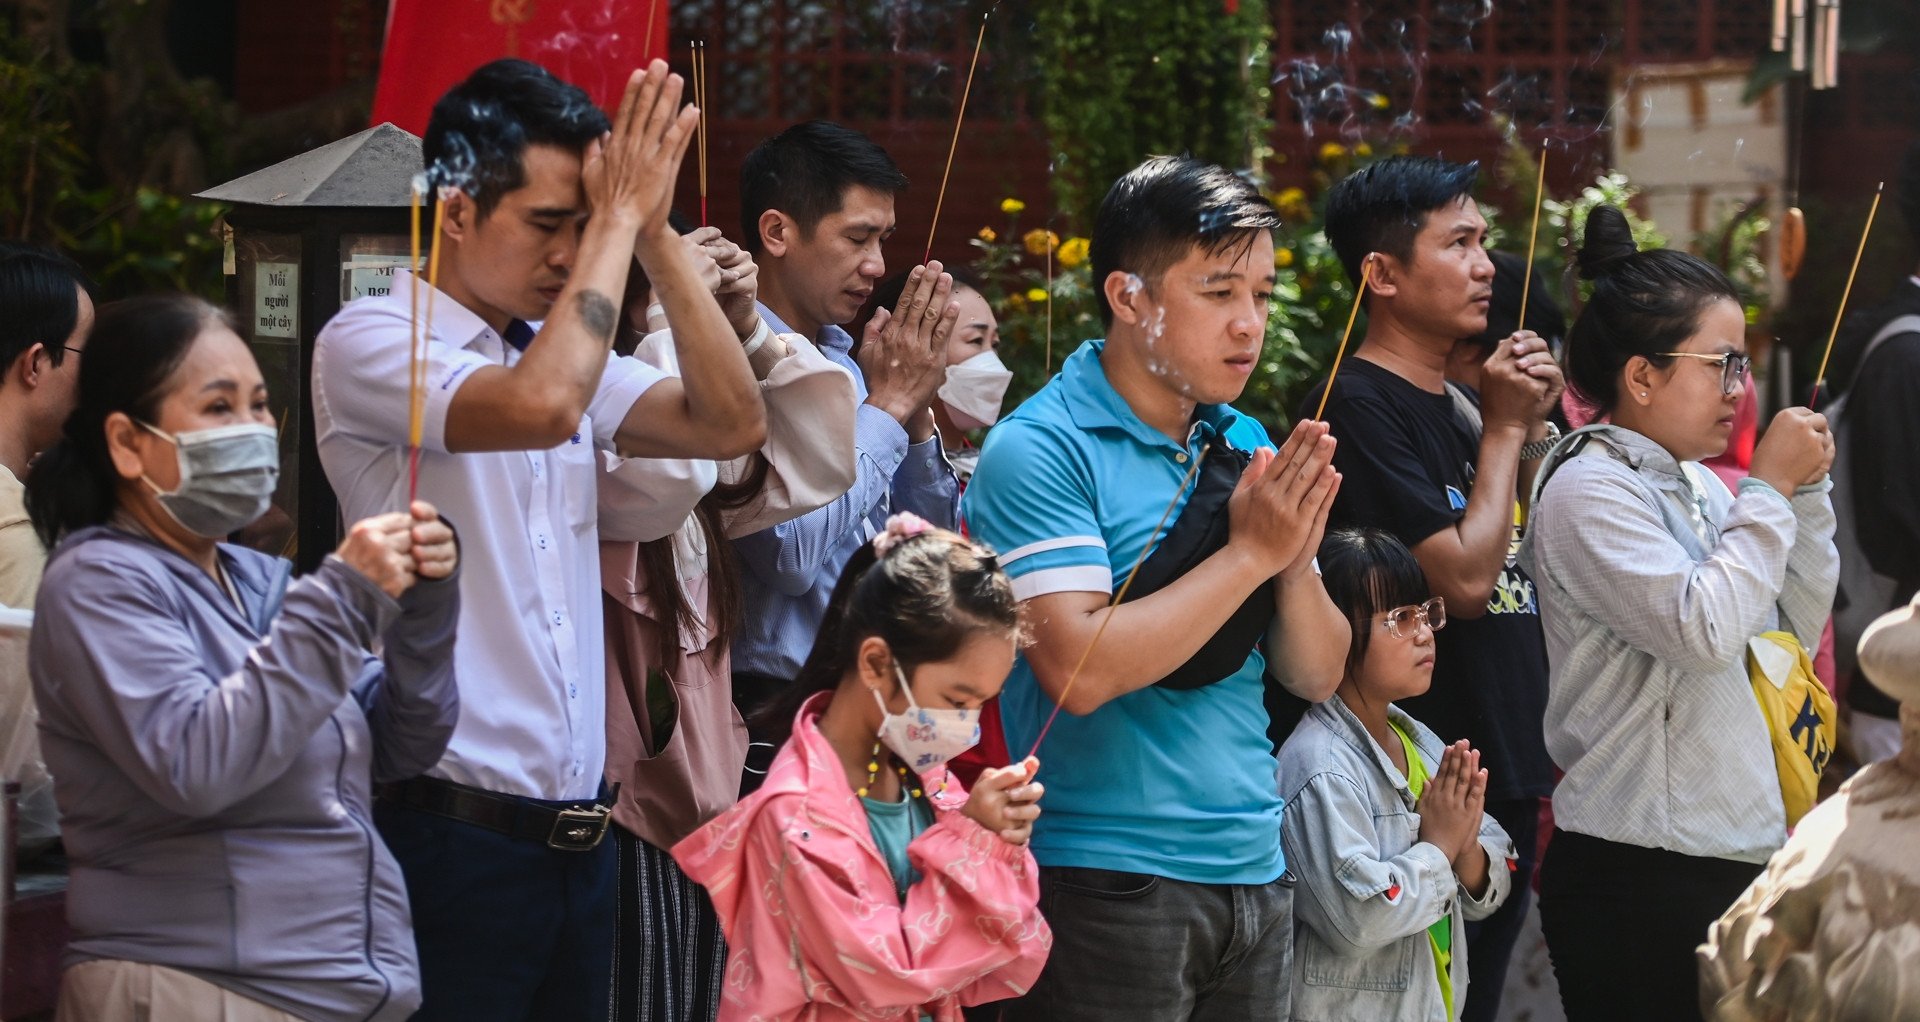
361 363
621 384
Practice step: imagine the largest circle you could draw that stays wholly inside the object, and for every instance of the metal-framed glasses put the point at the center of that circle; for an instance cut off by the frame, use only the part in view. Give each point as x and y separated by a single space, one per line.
1405 622
1734 366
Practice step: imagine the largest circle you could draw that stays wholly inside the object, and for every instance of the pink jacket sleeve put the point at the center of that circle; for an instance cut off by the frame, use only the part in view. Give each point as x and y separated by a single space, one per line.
970 928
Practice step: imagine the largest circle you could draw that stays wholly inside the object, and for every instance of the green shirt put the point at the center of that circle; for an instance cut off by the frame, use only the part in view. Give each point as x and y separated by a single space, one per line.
1441 932
894 826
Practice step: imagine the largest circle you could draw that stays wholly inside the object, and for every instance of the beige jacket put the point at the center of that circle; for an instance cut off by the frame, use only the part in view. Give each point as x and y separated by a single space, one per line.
1832 929
667 793
22 558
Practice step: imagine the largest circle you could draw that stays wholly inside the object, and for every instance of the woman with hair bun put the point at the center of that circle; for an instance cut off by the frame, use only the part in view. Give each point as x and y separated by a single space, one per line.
1655 581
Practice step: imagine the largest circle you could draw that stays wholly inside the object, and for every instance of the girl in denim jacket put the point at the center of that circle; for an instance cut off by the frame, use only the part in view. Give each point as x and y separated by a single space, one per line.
1384 822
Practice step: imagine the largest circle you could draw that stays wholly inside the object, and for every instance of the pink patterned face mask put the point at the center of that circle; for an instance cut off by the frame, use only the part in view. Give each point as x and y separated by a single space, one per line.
924 739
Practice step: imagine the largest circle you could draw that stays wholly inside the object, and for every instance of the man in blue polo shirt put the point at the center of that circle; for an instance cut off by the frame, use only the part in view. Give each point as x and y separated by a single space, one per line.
1161 869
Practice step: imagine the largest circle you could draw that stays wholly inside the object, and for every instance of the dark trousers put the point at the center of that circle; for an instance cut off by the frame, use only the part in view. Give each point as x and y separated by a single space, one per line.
1131 946
669 958
1622 923
753 695
1490 941
508 928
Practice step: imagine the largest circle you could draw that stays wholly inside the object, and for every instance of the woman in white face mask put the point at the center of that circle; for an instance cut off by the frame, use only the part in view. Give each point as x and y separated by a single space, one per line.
861 873
213 726
977 381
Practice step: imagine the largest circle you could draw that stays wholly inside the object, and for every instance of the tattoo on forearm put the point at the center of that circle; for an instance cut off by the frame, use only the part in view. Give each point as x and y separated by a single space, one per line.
597 313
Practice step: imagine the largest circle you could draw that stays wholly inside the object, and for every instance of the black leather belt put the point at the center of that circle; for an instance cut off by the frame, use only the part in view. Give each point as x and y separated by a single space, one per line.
568 827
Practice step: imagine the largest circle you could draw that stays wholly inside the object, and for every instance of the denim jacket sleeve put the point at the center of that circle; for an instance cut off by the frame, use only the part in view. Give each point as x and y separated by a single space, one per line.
409 695
1500 856
1353 895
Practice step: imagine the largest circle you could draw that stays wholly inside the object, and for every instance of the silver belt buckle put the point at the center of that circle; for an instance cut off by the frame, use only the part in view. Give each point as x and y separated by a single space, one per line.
578 830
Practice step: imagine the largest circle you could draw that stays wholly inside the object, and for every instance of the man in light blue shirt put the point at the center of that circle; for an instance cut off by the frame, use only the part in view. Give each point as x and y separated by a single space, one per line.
817 202
1161 867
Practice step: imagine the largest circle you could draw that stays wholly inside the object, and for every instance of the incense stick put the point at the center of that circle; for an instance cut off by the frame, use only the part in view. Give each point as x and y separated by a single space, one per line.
416 428
414 395
1117 598
1359 295
1820 378
699 100
1533 239
1049 371
954 146
653 15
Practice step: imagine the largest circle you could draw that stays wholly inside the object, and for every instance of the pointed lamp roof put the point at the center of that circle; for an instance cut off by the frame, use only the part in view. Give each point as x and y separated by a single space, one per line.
372 168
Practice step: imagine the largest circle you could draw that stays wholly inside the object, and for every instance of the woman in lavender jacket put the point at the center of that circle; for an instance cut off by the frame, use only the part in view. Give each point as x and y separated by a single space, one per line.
214 729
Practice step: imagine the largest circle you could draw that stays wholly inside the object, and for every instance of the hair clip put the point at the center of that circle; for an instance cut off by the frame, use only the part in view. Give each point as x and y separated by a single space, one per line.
900 527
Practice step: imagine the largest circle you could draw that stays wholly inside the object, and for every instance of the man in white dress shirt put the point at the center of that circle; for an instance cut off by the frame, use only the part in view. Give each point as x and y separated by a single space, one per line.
510 884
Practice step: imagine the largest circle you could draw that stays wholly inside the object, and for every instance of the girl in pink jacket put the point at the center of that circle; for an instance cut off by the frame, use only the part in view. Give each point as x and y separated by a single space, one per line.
862 881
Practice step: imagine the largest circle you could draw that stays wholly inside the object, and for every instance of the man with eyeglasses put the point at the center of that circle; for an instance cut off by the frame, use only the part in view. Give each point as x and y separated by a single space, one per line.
1446 470
47 306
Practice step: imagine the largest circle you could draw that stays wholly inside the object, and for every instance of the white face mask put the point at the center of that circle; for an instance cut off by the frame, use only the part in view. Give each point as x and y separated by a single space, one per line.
974 389
227 477
925 739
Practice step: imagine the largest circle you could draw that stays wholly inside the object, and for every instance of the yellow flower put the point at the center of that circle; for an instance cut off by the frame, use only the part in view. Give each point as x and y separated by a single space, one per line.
1379 101
988 235
1012 207
1282 258
1073 252
1016 302
1292 204
1332 151
1040 242
1036 295
1363 150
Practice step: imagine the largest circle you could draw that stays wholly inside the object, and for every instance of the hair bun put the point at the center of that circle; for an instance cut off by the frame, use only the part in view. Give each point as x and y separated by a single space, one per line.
1609 241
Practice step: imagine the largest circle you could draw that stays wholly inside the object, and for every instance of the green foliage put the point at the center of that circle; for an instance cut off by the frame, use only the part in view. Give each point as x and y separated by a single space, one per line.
38 104
130 241
149 241
1125 79
1736 247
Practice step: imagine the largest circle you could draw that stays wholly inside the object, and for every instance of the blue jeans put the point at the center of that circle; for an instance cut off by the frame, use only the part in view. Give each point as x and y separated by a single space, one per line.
1133 946
508 929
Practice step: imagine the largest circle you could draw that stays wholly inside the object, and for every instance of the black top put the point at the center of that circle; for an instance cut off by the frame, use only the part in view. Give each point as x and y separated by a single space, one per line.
1883 430
1407 459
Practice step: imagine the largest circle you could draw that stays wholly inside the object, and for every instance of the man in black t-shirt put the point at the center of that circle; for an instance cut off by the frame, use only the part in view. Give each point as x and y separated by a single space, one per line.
1447 471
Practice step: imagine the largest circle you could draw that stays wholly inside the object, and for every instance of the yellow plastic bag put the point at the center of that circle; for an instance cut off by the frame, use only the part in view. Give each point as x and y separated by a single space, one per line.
1800 717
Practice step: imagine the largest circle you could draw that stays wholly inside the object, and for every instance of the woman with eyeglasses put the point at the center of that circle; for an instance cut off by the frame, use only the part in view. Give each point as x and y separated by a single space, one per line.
1386 825
1654 580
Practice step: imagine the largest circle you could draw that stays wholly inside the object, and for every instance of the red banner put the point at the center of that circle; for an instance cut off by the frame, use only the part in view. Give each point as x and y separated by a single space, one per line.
433 44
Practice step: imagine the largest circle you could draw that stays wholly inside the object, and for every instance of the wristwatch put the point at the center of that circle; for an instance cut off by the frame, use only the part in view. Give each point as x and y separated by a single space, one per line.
1540 448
